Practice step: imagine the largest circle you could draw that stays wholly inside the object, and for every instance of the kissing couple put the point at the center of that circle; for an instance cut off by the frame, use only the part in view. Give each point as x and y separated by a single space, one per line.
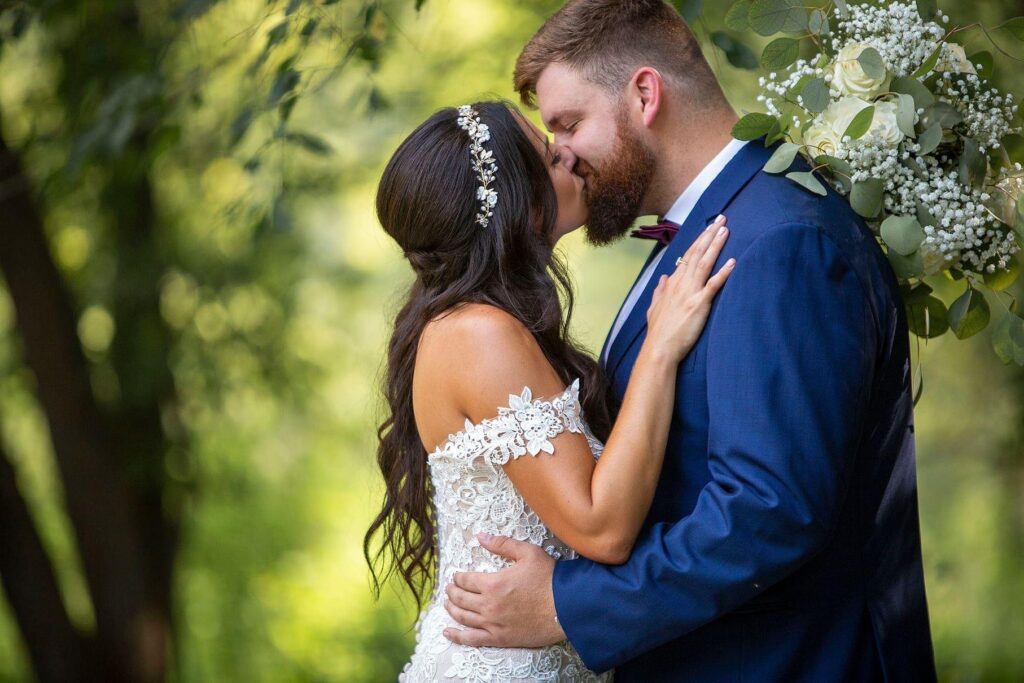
728 492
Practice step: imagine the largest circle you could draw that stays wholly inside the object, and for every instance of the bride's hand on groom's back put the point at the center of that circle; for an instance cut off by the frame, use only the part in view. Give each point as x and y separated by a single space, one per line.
682 301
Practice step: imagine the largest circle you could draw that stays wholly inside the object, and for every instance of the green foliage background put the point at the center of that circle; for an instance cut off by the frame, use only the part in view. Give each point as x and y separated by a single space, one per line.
282 321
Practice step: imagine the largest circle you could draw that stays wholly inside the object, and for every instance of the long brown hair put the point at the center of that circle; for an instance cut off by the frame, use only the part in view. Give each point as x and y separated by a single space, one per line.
427 203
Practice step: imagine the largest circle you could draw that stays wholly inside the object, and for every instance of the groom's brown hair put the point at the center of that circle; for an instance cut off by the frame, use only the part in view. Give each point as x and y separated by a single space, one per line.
607 40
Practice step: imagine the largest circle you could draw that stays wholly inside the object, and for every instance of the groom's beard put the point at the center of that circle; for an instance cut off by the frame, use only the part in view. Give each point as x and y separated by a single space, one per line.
615 192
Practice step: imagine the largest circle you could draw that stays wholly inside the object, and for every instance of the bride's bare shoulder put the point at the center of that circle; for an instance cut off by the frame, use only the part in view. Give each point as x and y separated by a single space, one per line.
472 324
483 353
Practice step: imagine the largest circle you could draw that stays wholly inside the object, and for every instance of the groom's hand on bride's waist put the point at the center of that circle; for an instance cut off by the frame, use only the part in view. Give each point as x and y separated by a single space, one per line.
510 608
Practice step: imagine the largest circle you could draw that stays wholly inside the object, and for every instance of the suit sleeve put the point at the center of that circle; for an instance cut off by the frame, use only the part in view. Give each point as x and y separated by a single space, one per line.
790 359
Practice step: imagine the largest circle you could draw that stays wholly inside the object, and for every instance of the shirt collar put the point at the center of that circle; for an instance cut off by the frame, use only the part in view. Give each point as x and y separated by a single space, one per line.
680 211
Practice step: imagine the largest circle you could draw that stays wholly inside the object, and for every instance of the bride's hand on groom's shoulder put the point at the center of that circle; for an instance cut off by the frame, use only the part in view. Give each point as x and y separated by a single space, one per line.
682 301
513 607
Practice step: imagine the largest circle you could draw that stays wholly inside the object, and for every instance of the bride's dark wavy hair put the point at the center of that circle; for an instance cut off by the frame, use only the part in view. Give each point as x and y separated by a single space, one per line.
427 202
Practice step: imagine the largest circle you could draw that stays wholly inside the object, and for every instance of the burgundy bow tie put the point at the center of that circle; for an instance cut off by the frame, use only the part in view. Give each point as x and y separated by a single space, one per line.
664 231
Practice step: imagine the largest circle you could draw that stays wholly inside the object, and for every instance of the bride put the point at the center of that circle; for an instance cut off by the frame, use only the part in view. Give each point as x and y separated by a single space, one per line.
482 371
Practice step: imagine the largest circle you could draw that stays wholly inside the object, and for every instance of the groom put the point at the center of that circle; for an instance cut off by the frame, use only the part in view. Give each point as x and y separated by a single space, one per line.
783 540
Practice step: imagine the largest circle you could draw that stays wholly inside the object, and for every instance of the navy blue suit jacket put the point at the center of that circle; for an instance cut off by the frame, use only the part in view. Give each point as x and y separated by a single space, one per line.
783 541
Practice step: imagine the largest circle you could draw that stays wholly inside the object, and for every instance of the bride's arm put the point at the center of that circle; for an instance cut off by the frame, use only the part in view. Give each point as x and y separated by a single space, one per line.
597 508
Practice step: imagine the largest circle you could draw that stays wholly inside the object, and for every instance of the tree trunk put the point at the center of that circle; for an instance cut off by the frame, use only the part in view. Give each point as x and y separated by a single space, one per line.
57 651
132 618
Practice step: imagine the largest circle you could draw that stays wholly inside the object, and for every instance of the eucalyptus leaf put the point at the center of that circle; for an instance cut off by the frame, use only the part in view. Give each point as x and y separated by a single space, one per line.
817 22
969 314
753 126
782 158
923 97
780 53
866 197
930 139
903 234
1002 279
815 95
929 63
973 164
840 169
872 64
906 114
861 123
844 11
768 17
798 87
906 267
943 113
928 319
807 180
916 294
924 216
737 18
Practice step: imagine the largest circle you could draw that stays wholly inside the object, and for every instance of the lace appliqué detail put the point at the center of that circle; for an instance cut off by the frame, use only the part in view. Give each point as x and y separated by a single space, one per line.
472 494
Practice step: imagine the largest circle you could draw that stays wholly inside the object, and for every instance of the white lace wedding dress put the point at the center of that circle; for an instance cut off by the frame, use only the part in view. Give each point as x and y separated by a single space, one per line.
472 494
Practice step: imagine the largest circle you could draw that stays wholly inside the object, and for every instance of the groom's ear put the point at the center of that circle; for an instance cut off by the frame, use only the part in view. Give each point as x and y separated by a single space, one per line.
647 90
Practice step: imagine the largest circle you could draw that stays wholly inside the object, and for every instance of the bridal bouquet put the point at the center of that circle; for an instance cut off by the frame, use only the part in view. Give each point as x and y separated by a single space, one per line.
894 114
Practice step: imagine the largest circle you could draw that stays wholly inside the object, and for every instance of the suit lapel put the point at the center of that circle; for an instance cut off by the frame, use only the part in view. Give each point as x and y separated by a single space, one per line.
650 257
736 174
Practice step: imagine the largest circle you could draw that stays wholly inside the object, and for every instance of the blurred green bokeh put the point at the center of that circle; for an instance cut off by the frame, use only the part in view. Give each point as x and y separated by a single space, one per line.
270 581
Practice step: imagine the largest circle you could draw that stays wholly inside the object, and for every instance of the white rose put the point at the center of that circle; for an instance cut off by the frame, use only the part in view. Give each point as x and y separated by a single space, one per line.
848 75
953 59
822 138
840 113
884 124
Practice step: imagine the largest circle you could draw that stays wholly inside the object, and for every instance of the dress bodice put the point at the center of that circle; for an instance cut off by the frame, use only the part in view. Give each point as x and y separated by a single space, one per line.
472 494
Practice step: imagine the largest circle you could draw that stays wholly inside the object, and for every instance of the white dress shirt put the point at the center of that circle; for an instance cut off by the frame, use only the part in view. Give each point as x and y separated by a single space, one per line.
678 214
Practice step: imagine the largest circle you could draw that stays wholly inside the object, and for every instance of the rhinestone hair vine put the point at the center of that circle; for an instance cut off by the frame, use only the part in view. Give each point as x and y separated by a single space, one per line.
483 162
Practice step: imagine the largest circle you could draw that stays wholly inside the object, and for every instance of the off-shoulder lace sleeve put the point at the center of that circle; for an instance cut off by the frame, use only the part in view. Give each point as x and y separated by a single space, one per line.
527 425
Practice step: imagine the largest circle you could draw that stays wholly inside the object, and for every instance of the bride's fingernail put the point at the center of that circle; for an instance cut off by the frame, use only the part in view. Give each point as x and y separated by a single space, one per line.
730 263
722 230
721 218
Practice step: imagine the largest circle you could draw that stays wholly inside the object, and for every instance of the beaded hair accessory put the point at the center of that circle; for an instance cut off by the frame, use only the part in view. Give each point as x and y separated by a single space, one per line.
483 162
